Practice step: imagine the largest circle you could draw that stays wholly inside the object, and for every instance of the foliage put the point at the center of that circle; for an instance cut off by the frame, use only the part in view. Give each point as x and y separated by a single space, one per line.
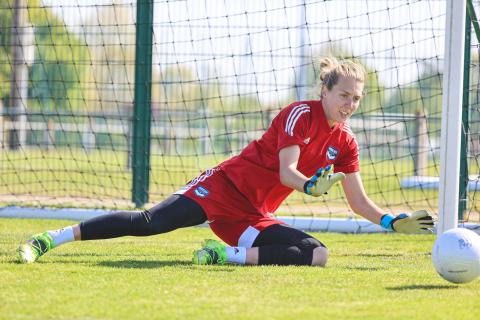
59 70
423 95
110 36
179 88
59 67
5 54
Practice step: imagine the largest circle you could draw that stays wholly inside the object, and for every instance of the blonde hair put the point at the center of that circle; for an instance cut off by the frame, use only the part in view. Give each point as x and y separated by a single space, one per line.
331 69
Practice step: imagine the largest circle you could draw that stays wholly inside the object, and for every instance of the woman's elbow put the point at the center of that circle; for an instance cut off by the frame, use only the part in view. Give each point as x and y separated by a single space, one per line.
283 179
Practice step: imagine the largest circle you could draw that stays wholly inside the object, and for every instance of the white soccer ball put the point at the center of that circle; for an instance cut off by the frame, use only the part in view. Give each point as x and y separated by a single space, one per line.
456 255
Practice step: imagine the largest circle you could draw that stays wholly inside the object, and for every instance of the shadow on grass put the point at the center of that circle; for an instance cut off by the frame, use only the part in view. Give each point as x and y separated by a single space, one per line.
423 287
361 268
369 255
138 264
377 255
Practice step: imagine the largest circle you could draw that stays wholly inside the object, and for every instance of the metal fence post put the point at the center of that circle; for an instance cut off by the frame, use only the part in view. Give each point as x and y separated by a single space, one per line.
463 187
142 103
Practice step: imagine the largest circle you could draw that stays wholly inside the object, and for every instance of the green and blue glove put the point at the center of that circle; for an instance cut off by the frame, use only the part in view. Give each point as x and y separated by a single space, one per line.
418 222
323 180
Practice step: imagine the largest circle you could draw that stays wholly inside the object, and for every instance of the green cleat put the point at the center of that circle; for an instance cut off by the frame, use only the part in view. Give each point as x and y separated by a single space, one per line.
213 252
36 246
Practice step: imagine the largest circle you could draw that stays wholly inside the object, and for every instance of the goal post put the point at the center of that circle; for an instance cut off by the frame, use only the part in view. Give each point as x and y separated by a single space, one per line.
451 115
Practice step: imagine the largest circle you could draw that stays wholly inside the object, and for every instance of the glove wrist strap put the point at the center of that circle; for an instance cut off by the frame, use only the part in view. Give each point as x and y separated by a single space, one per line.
305 187
386 221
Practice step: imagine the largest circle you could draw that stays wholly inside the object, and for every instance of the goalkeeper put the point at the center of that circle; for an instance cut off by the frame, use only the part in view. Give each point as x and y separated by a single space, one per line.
308 148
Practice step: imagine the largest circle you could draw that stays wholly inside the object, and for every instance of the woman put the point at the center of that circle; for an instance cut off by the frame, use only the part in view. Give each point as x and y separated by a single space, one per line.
238 197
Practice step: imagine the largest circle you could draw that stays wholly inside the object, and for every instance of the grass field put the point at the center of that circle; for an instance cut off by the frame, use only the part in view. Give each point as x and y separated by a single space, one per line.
380 276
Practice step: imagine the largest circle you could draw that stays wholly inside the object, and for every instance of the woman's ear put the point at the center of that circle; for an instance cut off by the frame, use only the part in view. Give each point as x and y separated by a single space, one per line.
324 92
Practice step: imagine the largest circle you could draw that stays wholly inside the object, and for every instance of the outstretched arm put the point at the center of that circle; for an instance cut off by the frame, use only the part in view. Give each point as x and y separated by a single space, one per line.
358 199
417 222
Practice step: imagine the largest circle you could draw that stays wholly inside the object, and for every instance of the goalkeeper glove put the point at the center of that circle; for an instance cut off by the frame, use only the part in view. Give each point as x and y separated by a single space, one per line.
322 181
418 222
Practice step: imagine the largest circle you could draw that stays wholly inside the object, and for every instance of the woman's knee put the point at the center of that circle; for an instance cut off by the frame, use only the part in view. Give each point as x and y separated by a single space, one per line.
315 253
320 256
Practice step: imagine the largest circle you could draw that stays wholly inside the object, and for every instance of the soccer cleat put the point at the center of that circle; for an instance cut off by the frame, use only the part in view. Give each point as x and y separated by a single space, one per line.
35 247
213 252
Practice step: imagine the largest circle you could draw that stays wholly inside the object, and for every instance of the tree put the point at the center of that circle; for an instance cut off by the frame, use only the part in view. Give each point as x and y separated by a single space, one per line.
5 50
420 97
424 94
110 36
59 65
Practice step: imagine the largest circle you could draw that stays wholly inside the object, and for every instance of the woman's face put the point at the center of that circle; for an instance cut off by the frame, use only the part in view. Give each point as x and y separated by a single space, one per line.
343 100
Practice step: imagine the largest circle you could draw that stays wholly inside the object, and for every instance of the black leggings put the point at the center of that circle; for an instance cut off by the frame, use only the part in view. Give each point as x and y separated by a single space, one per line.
283 245
175 212
278 244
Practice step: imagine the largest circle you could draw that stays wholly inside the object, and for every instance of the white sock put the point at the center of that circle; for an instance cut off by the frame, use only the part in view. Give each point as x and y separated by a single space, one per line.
236 255
62 236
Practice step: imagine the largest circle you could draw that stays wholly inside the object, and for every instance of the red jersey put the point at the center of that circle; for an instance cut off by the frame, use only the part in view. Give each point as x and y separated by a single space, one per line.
255 171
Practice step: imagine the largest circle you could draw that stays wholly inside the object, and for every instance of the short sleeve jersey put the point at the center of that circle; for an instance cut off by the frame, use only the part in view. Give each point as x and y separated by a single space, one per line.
255 171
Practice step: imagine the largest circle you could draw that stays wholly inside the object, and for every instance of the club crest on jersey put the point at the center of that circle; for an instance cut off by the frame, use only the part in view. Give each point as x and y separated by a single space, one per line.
332 153
201 192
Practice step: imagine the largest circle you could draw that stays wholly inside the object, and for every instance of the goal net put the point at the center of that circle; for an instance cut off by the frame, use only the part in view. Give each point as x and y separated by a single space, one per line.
221 70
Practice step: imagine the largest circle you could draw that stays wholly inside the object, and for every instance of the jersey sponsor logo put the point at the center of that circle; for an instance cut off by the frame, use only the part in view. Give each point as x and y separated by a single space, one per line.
332 153
307 141
202 192
293 117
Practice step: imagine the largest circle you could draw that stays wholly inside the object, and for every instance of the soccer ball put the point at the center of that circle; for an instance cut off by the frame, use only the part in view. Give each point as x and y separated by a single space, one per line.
456 255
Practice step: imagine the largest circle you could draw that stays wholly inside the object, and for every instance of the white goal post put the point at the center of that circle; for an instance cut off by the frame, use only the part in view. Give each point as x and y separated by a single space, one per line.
451 115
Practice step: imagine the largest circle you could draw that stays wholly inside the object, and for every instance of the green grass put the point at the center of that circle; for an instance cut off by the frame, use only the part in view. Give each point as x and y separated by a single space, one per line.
381 276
